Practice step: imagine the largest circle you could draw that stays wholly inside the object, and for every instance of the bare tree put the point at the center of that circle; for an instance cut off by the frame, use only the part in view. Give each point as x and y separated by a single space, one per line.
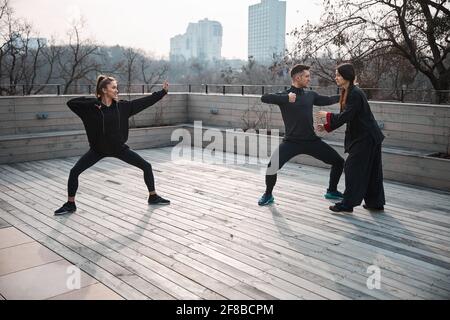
361 30
151 72
77 60
50 55
138 67
129 67
15 36
227 75
4 38
23 54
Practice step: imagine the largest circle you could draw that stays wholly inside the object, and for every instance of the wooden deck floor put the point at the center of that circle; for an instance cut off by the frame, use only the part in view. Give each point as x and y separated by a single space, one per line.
214 242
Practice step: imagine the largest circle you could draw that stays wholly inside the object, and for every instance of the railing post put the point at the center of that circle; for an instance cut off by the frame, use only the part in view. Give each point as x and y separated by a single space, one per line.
190 88
223 90
143 89
262 90
206 88
242 90
58 90
402 95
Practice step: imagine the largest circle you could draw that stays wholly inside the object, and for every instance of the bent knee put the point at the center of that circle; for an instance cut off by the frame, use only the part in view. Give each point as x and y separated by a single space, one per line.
338 161
74 172
147 166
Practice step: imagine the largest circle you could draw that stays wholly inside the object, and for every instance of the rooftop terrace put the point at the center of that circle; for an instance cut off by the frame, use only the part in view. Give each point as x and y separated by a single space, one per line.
214 241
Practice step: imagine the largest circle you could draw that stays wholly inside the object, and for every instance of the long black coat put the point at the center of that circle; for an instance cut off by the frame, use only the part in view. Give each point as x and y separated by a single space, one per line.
361 123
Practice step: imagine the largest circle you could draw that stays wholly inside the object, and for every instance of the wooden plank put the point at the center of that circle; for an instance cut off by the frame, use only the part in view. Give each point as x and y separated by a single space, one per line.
313 192
237 295
146 268
100 274
101 256
123 243
4 224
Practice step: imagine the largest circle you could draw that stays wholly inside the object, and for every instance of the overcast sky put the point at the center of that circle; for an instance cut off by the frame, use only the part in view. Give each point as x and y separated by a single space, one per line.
149 24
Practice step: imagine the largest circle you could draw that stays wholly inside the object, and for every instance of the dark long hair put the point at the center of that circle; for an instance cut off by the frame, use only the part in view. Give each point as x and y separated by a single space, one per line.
347 71
102 82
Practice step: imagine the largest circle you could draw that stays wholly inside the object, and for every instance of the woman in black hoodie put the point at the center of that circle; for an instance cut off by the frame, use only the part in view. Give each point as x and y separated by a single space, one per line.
105 119
363 167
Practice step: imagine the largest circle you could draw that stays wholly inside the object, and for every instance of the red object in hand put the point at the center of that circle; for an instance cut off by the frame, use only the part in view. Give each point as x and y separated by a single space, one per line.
327 124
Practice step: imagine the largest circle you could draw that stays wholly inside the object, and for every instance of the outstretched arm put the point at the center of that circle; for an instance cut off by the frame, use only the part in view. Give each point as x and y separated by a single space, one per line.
275 98
81 105
325 100
279 98
141 104
336 120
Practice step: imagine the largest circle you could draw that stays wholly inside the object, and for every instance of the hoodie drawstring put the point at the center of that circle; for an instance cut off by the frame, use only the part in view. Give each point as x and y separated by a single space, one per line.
118 112
103 121
103 117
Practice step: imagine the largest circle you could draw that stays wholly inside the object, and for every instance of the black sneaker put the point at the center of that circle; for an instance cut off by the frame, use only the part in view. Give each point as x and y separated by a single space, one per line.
67 207
157 200
340 207
373 208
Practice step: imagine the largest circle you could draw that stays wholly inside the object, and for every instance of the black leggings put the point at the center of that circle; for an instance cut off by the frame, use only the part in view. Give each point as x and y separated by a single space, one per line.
92 157
317 149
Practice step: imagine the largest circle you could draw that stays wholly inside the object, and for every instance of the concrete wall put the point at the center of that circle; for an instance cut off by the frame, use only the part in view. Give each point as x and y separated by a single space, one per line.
418 127
398 165
409 126
412 131
18 115
40 146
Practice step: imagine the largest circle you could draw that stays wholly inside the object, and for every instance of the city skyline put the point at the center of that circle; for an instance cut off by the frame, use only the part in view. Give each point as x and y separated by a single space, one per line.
266 30
164 22
202 40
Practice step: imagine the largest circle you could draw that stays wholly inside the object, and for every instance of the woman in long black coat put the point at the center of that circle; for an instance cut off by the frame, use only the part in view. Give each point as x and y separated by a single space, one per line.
363 138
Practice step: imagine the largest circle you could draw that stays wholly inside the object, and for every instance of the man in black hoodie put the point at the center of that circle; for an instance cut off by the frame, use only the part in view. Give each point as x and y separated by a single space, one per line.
296 105
105 119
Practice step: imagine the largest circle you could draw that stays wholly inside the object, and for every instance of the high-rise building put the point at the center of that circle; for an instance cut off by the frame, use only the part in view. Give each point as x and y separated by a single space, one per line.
202 40
266 30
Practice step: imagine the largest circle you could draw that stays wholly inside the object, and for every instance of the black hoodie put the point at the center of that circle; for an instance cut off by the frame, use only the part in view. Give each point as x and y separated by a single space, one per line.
107 127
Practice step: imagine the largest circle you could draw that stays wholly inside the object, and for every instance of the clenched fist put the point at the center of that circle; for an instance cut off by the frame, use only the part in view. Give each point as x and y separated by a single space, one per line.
292 97
166 86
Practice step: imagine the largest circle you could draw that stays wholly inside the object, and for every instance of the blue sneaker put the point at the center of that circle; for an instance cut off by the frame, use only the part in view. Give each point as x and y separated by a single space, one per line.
266 199
334 195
